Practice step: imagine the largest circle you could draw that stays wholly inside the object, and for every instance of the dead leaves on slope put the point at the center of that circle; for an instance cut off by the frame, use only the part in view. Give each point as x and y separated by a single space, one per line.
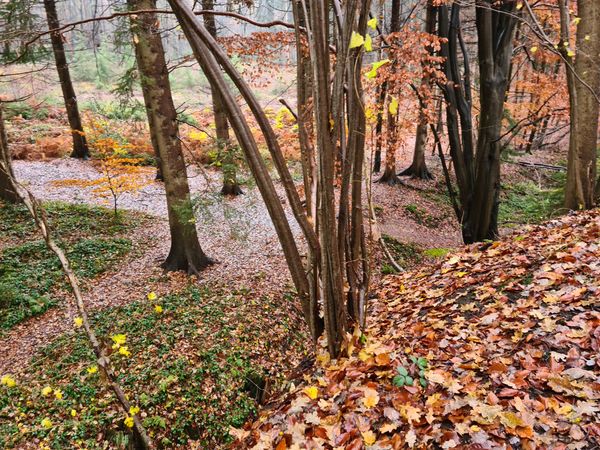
511 334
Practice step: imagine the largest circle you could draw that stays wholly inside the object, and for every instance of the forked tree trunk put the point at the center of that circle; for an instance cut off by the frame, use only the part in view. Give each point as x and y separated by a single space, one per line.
7 192
230 185
583 79
80 147
186 253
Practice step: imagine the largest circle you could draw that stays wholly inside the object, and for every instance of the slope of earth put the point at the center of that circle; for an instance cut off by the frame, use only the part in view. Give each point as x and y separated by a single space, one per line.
496 347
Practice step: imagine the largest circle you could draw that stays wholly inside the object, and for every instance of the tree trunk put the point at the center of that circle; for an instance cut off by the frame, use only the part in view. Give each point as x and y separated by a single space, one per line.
186 253
80 147
418 168
583 80
390 176
230 185
7 192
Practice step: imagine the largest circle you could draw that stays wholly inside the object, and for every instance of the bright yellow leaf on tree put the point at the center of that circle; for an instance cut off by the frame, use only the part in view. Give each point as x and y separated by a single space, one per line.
372 23
356 40
368 43
393 108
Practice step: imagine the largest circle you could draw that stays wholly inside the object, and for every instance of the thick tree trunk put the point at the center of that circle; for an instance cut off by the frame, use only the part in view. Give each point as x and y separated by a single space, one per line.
186 253
80 148
418 168
583 79
7 192
230 185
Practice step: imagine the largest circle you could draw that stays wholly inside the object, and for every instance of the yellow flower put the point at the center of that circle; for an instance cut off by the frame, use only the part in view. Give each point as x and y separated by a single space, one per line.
133 410
129 422
152 296
8 381
124 351
73 413
46 423
118 339
158 309
46 391
92 370
78 322
58 394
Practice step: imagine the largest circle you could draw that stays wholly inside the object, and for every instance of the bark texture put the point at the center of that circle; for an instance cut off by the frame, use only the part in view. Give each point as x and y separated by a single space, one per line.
583 78
186 253
80 147
7 192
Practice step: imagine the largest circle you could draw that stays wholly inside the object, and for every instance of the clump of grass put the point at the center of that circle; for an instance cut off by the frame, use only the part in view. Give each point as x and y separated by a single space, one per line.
436 252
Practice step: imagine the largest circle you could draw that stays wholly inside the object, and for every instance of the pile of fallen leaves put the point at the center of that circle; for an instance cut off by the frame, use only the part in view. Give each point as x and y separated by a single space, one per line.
496 347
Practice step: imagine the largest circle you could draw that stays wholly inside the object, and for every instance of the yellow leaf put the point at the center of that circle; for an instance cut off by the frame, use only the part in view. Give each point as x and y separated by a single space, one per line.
46 391
388 427
393 106
369 437
356 40
570 53
46 423
371 398
519 5
152 296
158 309
368 43
576 20
372 23
534 49
311 392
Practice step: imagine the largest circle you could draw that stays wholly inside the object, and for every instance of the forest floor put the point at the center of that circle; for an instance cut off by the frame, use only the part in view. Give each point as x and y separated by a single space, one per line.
495 347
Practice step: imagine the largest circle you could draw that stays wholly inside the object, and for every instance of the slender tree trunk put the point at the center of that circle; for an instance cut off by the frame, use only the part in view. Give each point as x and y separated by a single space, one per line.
583 78
382 92
80 148
7 192
390 174
230 185
186 253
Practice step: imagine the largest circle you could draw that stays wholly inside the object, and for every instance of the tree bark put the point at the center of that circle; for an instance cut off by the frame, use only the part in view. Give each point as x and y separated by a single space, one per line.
186 253
230 185
80 147
390 176
7 192
583 76
418 168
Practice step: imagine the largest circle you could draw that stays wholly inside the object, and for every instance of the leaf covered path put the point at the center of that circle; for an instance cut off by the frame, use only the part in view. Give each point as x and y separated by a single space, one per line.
496 347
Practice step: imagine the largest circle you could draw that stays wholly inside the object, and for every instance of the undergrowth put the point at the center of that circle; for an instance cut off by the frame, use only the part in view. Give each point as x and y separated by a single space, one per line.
30 274
188 373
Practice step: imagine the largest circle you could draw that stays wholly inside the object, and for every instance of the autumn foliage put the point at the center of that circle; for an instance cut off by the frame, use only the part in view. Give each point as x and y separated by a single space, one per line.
496 345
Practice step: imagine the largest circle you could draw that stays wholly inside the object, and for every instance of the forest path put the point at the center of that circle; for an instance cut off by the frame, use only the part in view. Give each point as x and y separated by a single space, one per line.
236 232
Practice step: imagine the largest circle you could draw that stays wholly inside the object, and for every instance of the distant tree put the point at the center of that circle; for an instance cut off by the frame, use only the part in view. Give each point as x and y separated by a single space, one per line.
389 173
583 80
418 167
7 193
230 185
80 147
186 253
